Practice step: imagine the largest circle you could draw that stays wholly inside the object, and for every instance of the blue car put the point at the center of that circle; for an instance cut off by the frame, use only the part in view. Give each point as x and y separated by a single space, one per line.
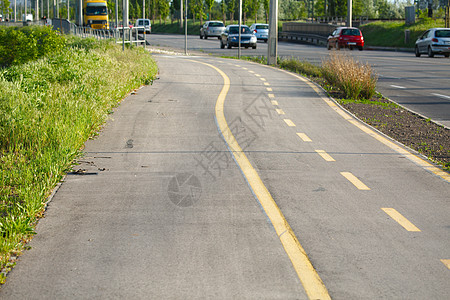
230 37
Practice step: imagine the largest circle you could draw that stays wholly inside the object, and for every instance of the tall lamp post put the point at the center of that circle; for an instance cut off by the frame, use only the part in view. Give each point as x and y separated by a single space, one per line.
273 33
349 13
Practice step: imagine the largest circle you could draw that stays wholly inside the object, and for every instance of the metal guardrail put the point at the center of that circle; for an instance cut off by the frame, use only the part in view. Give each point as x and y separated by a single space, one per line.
127 35
298 37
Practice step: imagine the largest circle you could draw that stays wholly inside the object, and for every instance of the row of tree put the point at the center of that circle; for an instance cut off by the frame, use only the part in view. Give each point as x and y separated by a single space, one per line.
227 10
288 9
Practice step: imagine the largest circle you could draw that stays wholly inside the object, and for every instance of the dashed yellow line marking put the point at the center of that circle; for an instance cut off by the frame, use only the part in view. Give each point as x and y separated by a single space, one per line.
289 122
238 66
313 285
325 155
446 262
253 72
269 89
263 79
280 111
355 181
274 102
266 83
257 75
304 137
244 68
271 95
400 219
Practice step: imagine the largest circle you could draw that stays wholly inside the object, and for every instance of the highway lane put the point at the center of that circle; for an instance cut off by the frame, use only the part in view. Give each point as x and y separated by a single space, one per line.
166 207
420 84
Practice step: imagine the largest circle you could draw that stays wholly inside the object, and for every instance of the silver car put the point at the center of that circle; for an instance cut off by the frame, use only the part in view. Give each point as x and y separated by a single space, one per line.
261 31
434 41
211 28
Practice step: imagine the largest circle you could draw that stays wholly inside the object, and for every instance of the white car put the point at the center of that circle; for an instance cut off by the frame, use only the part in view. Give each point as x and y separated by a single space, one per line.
211 28
434 41
261 31
144 23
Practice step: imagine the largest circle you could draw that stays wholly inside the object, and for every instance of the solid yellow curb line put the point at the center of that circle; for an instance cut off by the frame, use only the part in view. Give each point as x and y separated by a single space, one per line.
401 150
313 285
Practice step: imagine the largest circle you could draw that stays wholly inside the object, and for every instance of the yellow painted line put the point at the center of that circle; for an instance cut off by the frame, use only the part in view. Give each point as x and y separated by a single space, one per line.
271 95
325 155
244 68
238 66
400 219
263 79
253 72
446 262
257 75
356 182
313 285
403 151
269 89
280 111
274 102
289 122
266 83
304 137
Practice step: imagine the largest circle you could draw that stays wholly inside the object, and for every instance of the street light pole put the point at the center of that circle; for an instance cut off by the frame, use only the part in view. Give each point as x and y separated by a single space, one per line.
349 13
185 27
273 33
240 24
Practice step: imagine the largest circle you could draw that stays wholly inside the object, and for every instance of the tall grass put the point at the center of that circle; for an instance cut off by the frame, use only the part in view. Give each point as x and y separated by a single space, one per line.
355 79
48 108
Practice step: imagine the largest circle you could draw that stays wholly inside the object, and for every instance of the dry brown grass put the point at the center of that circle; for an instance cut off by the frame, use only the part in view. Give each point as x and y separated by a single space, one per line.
355 79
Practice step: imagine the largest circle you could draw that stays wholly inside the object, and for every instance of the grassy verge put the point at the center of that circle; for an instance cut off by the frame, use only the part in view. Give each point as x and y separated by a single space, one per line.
48 108
428 138
392 34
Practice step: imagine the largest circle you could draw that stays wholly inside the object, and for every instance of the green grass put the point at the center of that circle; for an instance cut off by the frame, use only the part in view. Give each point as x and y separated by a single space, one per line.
48 108
392 34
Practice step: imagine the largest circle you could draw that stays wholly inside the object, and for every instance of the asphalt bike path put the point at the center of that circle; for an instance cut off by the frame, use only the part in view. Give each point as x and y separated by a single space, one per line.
173 199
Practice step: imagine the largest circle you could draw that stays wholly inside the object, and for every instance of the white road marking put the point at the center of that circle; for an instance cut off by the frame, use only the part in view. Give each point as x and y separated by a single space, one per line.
398 87
441 96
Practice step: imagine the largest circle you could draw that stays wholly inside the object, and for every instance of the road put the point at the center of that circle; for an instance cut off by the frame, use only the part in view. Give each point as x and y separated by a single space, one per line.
420 84
201 185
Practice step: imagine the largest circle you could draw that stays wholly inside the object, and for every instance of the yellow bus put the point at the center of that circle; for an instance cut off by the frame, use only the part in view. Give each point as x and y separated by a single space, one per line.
95 14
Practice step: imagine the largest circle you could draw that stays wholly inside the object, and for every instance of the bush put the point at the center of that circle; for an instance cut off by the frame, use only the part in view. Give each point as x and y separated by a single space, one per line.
20 45
355 79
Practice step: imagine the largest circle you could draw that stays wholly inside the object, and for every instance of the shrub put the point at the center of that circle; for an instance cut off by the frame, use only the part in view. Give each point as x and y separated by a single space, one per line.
301 67
20 45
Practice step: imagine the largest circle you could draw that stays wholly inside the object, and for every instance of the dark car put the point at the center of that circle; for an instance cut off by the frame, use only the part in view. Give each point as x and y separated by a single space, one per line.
211 28
230 37
434 41
346 37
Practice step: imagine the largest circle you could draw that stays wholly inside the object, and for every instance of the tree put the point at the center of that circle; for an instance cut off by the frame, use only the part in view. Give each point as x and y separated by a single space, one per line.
164 10
231 7
266 6
223 9
254 6
209 5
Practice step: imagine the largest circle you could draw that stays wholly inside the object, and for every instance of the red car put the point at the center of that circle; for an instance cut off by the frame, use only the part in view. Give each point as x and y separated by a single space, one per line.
346 37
